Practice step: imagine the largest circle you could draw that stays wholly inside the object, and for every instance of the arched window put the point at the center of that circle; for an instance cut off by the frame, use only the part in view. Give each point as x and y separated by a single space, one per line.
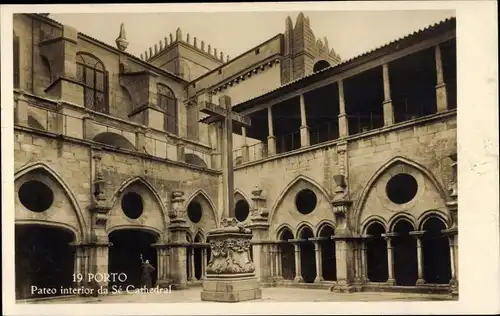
91 73
168 104
16 61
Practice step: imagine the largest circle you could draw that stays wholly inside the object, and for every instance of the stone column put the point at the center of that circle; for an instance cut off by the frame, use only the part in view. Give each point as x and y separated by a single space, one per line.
387 104
390 257
344 241
271 139
244 147
364 261
452 234
140 139
304 129
272 266
298 267
192 265
441 95
318 259
420 259
181 147
279 272
358 267
203 263
177 236
21 111
343 121
163 280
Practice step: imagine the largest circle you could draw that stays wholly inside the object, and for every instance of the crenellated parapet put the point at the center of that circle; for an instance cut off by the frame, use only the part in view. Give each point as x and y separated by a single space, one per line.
168 42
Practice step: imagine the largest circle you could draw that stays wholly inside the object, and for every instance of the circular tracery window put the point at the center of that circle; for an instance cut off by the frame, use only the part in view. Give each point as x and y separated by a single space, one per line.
132 205
36 196
241 210
305 201
194 212
401 188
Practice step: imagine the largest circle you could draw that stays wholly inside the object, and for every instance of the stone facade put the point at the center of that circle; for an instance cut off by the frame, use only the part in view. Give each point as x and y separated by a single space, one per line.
94 158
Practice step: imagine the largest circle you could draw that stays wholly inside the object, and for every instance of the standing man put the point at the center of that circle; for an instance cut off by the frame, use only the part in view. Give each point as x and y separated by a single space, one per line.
147 269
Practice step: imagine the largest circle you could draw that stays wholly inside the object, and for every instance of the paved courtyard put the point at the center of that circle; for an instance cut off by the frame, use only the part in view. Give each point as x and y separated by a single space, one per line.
192 295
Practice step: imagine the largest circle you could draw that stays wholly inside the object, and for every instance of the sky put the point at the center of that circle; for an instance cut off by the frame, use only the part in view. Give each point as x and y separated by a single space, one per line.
350 33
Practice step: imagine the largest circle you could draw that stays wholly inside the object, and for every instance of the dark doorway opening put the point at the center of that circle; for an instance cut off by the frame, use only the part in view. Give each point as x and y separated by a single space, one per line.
436 252
376 254
307 256
405 254
329 261
287 255
125 255
43 258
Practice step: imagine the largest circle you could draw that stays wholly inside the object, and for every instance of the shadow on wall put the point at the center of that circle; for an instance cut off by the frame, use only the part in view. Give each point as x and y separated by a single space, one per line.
114 140
193 159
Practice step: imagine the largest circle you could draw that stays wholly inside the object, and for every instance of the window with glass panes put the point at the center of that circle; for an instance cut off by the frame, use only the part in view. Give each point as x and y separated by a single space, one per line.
168 103
94 78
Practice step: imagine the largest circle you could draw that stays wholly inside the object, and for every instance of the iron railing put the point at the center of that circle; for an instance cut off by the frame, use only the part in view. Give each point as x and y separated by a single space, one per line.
323 132
288 142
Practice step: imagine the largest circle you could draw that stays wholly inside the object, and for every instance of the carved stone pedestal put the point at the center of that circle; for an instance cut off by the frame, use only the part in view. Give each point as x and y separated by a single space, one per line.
230 271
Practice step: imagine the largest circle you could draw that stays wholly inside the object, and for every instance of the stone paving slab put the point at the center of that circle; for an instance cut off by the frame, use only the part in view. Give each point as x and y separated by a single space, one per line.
192 295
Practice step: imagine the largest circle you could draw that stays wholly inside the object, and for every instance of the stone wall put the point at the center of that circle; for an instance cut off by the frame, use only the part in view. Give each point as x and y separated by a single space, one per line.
423 147
68 165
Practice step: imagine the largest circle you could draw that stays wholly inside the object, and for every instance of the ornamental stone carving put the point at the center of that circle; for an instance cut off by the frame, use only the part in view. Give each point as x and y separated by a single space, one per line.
230 256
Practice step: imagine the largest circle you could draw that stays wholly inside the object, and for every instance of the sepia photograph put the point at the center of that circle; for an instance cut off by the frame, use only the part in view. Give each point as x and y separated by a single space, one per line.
234 156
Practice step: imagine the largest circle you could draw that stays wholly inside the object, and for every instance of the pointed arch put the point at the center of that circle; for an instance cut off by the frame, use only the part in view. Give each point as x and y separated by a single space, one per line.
380 172
300 228
203 194
282 228
189 237
199 235
429 214
322 224
35 166
125 184
49 223
292 183
373 219
243 195
401 215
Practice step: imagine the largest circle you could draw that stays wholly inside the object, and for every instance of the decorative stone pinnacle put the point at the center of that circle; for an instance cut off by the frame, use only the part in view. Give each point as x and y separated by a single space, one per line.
195 42
227 58
161 45
187 38
178 34
121 40
221 56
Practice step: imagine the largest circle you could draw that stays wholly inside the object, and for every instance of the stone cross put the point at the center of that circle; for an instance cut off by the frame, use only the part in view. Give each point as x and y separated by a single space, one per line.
224 113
